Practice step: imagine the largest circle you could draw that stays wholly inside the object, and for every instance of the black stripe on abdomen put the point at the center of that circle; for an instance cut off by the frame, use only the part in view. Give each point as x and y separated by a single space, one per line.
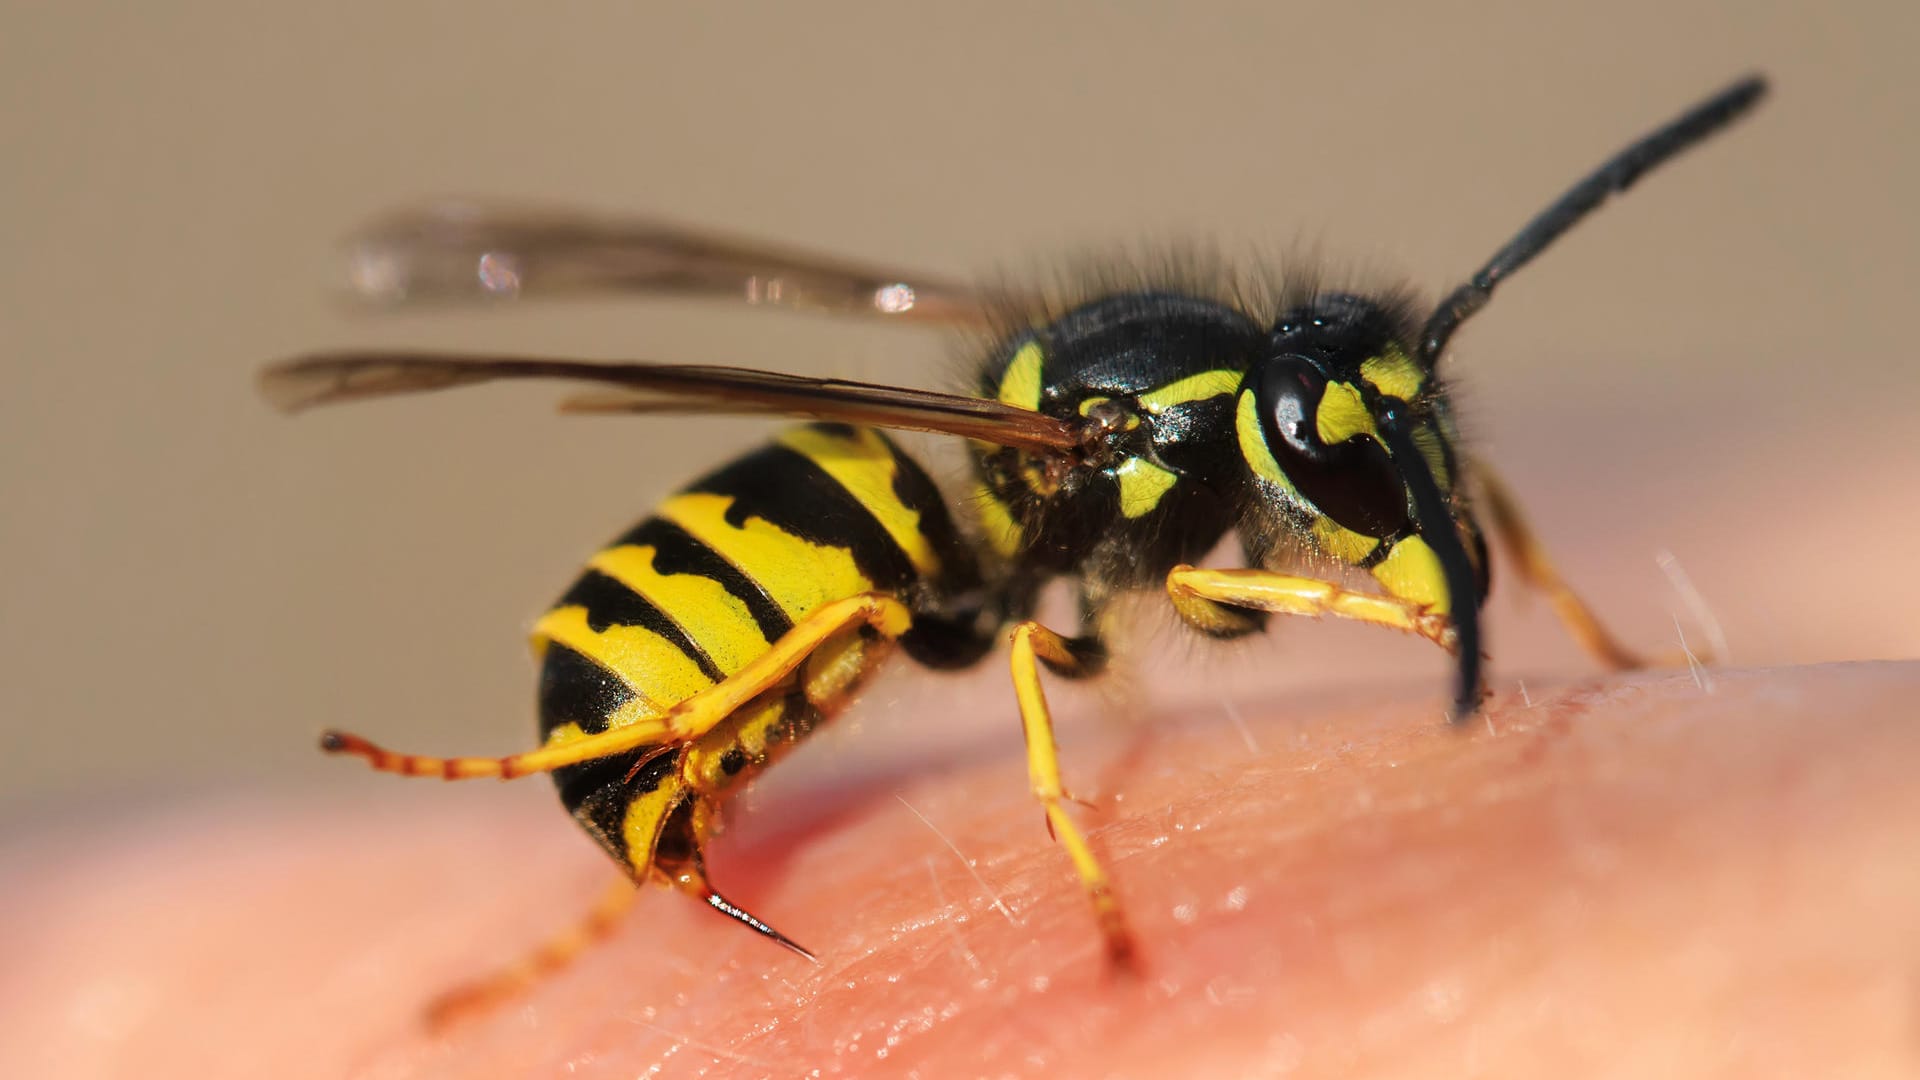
575 690
676 551
612 603
786 489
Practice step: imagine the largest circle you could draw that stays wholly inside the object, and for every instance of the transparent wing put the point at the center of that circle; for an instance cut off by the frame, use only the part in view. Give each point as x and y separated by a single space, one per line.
459 251
327 378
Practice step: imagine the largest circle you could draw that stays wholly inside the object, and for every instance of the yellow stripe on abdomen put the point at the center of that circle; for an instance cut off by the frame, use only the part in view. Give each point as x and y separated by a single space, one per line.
655 669
861 462
701 607
797 574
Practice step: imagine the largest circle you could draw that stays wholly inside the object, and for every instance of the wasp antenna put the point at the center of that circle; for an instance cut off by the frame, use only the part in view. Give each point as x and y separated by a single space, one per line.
1436 526
1616 175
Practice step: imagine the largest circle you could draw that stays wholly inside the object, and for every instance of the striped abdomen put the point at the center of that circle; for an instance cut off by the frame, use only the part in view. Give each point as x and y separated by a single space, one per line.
696 591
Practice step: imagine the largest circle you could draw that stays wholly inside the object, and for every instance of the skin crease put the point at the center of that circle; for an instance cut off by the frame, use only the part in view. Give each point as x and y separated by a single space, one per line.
1623 876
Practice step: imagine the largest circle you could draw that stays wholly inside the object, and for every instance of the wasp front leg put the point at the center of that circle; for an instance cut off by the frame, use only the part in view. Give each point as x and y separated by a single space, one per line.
1217 602
1417 601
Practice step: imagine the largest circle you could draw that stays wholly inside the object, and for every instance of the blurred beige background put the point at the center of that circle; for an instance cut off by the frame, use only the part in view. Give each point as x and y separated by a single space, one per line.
192 586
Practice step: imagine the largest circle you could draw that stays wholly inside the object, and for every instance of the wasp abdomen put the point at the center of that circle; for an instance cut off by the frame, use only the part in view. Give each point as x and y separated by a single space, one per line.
707 584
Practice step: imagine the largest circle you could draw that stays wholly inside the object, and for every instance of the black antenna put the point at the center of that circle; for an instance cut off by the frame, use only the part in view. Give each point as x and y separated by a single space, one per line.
1433 519
1616 175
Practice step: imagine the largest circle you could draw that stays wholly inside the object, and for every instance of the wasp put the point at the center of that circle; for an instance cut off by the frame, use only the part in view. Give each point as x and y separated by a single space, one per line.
1115 441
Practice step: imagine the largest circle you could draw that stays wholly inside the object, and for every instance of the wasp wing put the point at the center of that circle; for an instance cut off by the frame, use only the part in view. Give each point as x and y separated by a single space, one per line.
326 378
457 251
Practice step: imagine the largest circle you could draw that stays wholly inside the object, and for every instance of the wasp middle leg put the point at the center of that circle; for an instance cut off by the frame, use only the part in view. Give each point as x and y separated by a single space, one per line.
1034 645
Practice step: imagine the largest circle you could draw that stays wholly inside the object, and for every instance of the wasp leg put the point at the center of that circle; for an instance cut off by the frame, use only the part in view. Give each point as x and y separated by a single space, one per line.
1034 644
1538 571
481 995
689 719
1206 599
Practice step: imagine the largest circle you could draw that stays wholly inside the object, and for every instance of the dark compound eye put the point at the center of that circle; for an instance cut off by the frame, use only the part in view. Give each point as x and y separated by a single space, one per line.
1353 482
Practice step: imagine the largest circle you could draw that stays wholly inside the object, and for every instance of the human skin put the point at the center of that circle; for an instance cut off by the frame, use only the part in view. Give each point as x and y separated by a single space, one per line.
1660 873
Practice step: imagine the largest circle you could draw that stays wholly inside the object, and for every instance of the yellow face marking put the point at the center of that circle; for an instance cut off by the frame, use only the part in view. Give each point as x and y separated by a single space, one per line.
1003 534
1341 542
1335 539
1199 387
651 666
1343 414
1411 571
1142 483
1020 386
1431 445
1086 407
1394 374
1253 445
799 575
862 463
714 618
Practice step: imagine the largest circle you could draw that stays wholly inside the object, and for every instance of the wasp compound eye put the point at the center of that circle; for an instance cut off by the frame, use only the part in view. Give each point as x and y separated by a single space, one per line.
1351 480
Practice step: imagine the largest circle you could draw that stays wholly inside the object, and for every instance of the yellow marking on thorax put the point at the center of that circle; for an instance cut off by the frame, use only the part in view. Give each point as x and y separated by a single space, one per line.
1343 414
862 463
1411 571
1394 374
714 618
799 575
1199 387
651 666
1020 386
1142 483
1341 542
1002 533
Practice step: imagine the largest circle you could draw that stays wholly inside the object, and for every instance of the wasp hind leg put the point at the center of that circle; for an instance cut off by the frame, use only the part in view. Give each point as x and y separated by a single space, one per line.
1034 645
555 954
687 720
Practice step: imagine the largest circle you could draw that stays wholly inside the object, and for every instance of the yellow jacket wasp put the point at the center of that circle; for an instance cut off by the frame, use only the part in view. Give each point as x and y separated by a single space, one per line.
1115 442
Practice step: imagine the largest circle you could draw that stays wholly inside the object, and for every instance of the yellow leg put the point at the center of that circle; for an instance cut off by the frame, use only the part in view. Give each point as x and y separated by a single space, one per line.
508 983
1198 594
1034 644
688 720
1538 571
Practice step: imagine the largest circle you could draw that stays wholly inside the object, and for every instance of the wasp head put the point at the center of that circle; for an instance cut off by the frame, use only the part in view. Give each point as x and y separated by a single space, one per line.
1353 440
